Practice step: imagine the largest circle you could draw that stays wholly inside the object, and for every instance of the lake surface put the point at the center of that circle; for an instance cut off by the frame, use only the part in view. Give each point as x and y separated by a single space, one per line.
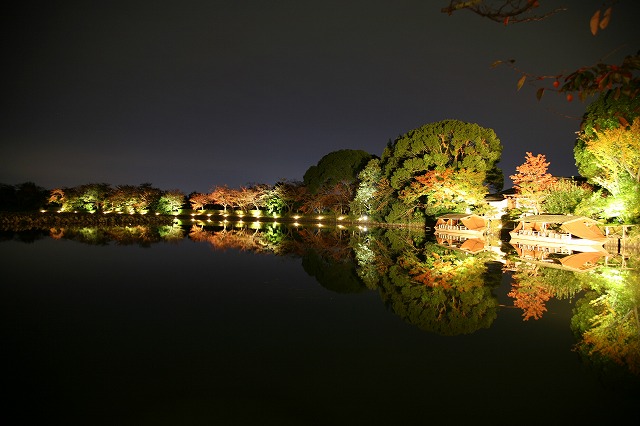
282 326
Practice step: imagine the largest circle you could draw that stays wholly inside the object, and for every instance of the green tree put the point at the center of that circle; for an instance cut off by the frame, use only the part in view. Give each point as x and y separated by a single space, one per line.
336 167
564 196
448 144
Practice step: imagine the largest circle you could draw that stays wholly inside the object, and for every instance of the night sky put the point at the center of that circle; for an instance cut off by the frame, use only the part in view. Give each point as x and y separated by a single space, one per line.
192 94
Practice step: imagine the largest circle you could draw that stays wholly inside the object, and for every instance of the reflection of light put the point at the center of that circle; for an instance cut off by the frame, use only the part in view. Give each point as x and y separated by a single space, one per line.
341 226
362 218
320 217
341 217
296 224
256 213
319 225
296 217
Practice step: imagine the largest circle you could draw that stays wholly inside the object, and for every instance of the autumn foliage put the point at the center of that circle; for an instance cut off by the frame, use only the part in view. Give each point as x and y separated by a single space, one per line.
532 181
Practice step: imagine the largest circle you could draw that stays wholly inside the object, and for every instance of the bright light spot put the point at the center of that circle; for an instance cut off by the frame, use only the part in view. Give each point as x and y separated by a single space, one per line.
363 218
296 217
42 211
320 217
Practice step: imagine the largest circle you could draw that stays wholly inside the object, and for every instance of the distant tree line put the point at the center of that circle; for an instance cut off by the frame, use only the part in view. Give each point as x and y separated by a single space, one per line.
441 167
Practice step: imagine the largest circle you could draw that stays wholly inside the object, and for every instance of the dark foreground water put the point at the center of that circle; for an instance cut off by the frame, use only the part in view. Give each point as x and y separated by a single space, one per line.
182 333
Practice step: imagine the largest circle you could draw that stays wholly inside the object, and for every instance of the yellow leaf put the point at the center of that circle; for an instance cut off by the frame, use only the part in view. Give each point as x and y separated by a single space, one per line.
605 19
594 22
496 63
521 81
539 93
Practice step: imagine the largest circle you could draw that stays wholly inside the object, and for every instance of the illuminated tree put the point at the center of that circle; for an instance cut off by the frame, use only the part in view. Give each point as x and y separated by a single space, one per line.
368 178
532 181
223 196
448 144
565 195
445 191
198 200
337 197
615 156
284 196
170 202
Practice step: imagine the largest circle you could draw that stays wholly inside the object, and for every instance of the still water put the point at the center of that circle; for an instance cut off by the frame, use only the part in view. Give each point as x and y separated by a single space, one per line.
274 325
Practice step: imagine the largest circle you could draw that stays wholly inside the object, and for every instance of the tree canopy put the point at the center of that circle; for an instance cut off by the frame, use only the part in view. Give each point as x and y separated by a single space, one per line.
466 151
340 166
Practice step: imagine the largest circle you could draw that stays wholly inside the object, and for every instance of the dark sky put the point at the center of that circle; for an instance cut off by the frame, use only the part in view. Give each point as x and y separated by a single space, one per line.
193 94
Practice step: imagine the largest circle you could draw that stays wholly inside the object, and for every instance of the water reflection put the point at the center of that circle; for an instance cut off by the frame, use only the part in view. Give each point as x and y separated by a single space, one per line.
440 285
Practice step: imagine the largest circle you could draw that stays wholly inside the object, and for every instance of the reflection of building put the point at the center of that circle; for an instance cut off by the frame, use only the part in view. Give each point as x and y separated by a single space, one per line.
457 241
561 257
469 225
577 232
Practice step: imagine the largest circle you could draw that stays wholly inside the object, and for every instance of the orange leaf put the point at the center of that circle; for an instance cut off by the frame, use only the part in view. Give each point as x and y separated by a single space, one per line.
623 121
605 19
594 22
521 81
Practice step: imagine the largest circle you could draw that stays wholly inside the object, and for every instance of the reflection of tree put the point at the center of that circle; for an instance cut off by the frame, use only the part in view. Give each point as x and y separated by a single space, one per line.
242 239
529 293
327 256
143 236
534 285
376 251
442 292
338 275
607 319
